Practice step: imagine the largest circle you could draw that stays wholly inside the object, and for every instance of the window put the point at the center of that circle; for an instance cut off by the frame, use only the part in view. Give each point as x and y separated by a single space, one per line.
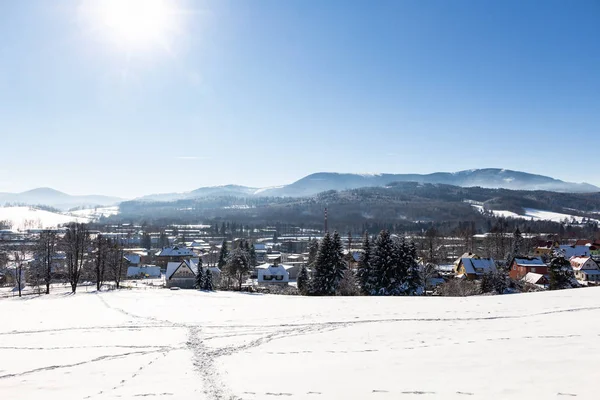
279 277
532 269
268 277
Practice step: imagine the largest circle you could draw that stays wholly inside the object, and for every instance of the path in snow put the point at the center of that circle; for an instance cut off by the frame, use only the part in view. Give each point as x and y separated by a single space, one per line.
189 344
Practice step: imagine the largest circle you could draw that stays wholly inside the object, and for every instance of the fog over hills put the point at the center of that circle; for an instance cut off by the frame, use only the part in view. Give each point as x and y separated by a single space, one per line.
493 178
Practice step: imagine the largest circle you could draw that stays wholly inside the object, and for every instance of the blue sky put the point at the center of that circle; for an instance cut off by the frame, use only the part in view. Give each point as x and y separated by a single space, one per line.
261 93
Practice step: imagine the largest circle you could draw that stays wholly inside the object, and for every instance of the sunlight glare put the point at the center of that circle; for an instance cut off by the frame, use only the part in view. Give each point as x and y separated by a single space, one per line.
134 25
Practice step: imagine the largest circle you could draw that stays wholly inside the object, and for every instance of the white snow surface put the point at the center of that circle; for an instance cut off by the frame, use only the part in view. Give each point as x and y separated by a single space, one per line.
532 213
31 217
96 213
183 344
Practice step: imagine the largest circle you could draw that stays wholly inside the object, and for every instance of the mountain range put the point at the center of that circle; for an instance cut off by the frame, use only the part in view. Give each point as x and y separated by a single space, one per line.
56 199
311 185
491 178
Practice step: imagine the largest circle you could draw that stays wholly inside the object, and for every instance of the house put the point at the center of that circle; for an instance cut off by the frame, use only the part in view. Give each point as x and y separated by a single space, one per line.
536 279
521 266
144 271
272 274
473 267
585 269
183 274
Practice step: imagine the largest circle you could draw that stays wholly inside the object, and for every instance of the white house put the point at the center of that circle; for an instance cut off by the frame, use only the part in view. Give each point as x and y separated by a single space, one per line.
183 274
272 274
585 269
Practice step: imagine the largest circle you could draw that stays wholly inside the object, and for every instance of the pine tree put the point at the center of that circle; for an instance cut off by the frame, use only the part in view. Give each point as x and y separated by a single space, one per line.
223 255
208 281
146 241
199 276
414 284
561 273
252 254
303 281
517 246
339 265
329 266
313 251
364 273
384 264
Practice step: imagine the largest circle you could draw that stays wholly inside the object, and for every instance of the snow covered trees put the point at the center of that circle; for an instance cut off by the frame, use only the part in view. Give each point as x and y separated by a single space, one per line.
199 276
238 265
208 282
223 255
364 266
313 251
303 281
393 268
329 266
561 273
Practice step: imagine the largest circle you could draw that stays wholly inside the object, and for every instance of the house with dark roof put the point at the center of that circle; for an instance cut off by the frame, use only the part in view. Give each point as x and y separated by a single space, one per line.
521 266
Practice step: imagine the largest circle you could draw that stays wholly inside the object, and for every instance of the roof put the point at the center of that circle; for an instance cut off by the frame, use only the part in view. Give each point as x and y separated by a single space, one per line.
273 269
529 261
478 265
577 262
591 271
532 277
175 252
571 251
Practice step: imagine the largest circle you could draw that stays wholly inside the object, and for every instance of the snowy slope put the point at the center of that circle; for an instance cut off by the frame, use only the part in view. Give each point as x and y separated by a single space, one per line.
195 345
95 213
531 213
31 217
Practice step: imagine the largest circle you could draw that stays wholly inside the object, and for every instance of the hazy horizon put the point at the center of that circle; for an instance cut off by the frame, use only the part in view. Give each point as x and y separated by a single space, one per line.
158 97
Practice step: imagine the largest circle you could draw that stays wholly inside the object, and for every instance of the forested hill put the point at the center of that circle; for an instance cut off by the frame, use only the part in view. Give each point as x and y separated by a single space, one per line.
403 203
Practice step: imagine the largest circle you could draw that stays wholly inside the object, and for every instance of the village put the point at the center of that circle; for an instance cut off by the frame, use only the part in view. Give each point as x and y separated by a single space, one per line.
173 257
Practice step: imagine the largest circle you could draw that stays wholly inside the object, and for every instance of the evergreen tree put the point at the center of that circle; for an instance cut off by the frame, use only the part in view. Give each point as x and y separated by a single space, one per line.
313 250
252 254
146 241
303 281
385 271
364 273
208 281
561 273
487 283
414 284
163 240
199 276
223 255
329 265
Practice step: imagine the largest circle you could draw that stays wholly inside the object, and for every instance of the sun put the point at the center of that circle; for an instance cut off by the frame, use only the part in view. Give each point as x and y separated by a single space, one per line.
134 25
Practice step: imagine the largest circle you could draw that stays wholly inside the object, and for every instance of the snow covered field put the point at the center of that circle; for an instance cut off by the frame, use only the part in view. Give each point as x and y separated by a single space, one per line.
536 215
31 217
193 345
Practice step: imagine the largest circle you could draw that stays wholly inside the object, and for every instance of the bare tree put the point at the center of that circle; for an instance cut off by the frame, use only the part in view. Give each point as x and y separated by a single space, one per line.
115 262
428 272
102 249
19 258
46 251
76 244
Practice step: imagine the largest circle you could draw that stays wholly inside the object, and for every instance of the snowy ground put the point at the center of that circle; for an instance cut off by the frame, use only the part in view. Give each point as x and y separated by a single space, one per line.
195 345
31 217
536 215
